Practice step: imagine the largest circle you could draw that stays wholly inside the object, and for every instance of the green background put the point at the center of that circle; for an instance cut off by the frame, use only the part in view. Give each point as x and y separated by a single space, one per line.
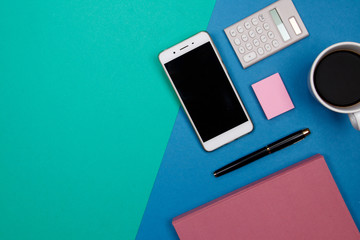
85 112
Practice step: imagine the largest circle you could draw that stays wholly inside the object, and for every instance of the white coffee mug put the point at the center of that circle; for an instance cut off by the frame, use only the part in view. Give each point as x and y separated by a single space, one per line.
354 110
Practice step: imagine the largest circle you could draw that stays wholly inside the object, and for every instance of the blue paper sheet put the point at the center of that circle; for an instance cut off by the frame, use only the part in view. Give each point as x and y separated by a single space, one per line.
185 179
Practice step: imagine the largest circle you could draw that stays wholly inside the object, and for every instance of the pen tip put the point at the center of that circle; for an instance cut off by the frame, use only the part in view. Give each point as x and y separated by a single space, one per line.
215 175
306 131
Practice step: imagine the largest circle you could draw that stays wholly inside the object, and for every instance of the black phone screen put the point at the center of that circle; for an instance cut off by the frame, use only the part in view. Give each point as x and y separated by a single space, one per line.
206 91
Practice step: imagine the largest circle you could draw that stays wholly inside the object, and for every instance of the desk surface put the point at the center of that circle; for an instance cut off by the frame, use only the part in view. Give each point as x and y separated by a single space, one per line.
184 180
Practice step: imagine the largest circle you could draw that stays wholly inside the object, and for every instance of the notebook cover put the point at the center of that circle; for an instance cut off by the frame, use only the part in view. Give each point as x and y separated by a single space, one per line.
298 202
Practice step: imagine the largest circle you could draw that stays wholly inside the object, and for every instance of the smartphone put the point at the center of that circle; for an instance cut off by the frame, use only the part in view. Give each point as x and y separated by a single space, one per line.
207 94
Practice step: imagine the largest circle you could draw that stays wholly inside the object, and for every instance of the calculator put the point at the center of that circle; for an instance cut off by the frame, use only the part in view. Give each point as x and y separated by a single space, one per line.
266 32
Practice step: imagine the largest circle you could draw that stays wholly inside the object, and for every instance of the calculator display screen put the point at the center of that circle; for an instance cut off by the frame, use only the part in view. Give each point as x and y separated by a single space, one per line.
206 91
279 24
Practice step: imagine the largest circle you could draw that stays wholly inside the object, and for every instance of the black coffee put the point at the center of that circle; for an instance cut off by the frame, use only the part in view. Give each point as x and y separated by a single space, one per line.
337 78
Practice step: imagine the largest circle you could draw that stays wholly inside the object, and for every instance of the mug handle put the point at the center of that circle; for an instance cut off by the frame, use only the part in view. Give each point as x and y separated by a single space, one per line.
355 120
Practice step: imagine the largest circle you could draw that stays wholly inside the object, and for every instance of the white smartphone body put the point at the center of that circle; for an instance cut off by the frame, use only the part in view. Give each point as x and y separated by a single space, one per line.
205 91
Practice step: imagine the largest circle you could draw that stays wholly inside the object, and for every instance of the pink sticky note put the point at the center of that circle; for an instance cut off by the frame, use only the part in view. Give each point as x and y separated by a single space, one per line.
272 95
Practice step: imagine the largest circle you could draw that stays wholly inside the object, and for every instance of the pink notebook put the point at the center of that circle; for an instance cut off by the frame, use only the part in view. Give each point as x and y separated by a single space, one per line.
298 202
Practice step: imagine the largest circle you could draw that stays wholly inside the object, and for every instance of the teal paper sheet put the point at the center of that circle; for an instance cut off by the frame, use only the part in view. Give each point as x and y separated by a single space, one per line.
85 112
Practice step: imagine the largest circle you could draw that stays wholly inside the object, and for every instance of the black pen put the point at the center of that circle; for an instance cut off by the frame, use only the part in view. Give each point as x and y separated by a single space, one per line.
271 148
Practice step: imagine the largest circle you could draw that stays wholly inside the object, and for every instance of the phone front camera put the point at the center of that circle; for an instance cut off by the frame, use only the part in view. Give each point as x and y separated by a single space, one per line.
174 52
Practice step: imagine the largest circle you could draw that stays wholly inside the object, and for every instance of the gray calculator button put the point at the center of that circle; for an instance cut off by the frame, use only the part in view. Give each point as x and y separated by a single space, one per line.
247 25
275 43
254 21
244 37
263 38
252 34
237 41
232 32
261 17
250 56
241 50
256 42
267 47
240 29
259 30
270 34
260 51
248 46
266 26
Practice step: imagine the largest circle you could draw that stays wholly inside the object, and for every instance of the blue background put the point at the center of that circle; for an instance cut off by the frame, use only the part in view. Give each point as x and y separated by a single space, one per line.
185 179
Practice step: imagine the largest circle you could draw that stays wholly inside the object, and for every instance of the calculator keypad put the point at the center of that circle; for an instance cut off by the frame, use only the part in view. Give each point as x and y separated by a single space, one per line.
266 32
263 40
